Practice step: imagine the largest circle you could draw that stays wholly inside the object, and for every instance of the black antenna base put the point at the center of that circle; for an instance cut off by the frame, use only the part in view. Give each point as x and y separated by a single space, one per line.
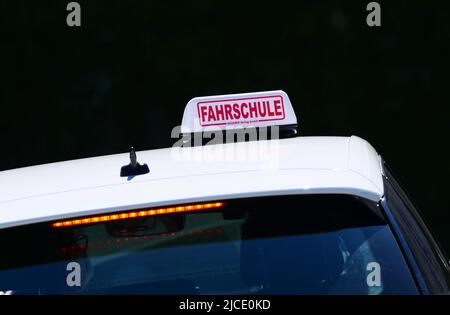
134 168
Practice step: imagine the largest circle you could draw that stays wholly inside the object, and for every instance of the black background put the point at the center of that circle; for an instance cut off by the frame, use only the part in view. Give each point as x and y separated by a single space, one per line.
124 77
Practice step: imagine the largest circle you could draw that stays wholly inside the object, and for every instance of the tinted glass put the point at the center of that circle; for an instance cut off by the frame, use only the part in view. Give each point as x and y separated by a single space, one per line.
316 244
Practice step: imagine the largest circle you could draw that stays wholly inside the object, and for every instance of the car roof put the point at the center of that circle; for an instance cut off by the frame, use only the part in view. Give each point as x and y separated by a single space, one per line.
301 165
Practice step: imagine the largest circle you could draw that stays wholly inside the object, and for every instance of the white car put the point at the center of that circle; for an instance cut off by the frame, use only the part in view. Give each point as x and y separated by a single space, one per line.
275 214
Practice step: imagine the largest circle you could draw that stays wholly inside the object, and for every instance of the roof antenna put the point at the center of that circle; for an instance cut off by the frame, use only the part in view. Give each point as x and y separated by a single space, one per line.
134 168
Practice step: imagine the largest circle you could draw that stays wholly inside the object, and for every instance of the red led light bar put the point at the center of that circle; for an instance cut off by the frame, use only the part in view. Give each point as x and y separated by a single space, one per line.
137 214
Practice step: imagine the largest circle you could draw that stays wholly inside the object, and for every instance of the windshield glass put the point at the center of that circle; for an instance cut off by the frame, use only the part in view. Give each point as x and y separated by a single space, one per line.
310 244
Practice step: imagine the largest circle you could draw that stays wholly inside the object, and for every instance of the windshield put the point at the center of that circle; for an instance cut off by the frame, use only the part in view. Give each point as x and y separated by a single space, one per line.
310 244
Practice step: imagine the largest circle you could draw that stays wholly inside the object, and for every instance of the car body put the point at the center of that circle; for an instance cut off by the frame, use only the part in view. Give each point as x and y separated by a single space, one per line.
278 175
287 166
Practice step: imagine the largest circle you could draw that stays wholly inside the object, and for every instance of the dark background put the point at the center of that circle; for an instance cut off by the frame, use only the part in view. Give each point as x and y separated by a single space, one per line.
124 77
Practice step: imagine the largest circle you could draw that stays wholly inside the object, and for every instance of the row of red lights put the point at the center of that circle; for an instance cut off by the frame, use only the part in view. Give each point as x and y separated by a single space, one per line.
137 214
124 240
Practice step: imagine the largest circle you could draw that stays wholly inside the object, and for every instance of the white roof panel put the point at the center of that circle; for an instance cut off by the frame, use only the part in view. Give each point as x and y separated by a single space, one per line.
299 165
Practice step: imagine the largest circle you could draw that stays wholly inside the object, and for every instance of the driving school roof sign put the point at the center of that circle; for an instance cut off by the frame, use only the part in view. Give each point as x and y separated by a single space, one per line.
260 109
